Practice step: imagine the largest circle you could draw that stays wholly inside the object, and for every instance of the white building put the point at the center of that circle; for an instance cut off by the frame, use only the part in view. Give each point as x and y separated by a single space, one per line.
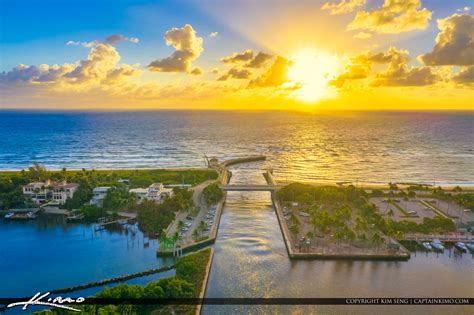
38 192
98 195
155 192
63 192
141 193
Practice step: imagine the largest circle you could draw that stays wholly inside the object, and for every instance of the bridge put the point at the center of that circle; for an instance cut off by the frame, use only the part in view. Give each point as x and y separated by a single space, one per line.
250 187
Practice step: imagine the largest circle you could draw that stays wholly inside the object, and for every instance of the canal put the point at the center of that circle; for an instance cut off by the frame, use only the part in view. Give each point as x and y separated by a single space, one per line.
250 260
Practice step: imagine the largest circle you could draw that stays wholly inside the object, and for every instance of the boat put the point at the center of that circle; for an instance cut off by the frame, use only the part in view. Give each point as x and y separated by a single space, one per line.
9 215
427 245
470 246
461 246
437 245
31 215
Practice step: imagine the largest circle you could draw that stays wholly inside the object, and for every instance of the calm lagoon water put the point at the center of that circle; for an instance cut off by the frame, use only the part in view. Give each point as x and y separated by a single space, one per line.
47 254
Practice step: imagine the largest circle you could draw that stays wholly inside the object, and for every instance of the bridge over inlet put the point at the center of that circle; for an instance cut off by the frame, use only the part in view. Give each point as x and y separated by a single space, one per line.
250 187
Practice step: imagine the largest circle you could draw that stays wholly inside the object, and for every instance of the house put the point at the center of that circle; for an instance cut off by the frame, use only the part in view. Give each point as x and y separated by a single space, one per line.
63 191
38 192
98 195
155 192
141 193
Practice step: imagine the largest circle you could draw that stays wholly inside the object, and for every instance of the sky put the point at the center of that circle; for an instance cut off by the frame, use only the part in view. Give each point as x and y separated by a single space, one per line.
285 55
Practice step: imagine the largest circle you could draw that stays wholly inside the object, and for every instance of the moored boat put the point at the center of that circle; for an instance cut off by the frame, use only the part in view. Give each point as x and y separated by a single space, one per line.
9 215
427 245
470 246
461 246
437 245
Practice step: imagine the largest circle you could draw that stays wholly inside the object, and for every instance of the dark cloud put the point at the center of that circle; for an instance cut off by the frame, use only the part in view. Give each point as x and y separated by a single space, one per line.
454 43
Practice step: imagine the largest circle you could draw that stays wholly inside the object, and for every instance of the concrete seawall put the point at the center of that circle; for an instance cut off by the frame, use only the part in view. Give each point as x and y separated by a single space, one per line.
205 281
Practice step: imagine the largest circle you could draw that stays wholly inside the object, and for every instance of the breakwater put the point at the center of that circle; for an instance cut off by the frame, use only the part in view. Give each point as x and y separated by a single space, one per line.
113 280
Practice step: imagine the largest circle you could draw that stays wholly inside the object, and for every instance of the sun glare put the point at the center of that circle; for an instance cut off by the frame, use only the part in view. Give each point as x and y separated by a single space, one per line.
311 72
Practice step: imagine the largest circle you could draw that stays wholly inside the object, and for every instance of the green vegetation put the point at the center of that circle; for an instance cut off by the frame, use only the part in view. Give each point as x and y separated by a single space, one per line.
11 182
466 200
346 214
153 218
187 283
212 194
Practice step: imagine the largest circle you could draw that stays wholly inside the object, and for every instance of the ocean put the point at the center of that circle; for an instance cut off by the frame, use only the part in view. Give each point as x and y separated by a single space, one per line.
378 147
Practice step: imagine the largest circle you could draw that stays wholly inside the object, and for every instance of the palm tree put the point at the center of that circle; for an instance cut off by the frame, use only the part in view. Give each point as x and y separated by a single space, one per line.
202 226
196 234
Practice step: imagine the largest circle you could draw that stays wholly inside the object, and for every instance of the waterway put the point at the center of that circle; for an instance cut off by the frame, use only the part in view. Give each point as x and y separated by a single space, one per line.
250 260
47 254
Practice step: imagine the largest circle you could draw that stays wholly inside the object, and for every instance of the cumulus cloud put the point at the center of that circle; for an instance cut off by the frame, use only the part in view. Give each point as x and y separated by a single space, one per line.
275 76
213 34
248 59
454 43
101 66
259 60
397 73
394 16
239 57
465 76
188 48
236 73
343 6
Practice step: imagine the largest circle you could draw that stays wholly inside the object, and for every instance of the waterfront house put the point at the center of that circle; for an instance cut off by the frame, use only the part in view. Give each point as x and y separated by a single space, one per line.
38 192
63 191
141 193
98 195
155 192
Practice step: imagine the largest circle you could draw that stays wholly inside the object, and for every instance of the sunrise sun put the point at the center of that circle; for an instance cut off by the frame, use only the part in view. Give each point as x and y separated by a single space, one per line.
311 72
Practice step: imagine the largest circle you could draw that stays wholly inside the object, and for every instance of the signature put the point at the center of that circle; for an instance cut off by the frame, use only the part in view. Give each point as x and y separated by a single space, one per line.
37 299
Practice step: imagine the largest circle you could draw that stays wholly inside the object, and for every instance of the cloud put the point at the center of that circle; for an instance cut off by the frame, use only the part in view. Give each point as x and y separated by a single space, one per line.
213 34
238 57
454 43
259 60
115 38
343 6
275 76
236 73
363 35
196 71
215 71
464 10
397 73
101 66
248 59
188 48
394 16
466 76
111 40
